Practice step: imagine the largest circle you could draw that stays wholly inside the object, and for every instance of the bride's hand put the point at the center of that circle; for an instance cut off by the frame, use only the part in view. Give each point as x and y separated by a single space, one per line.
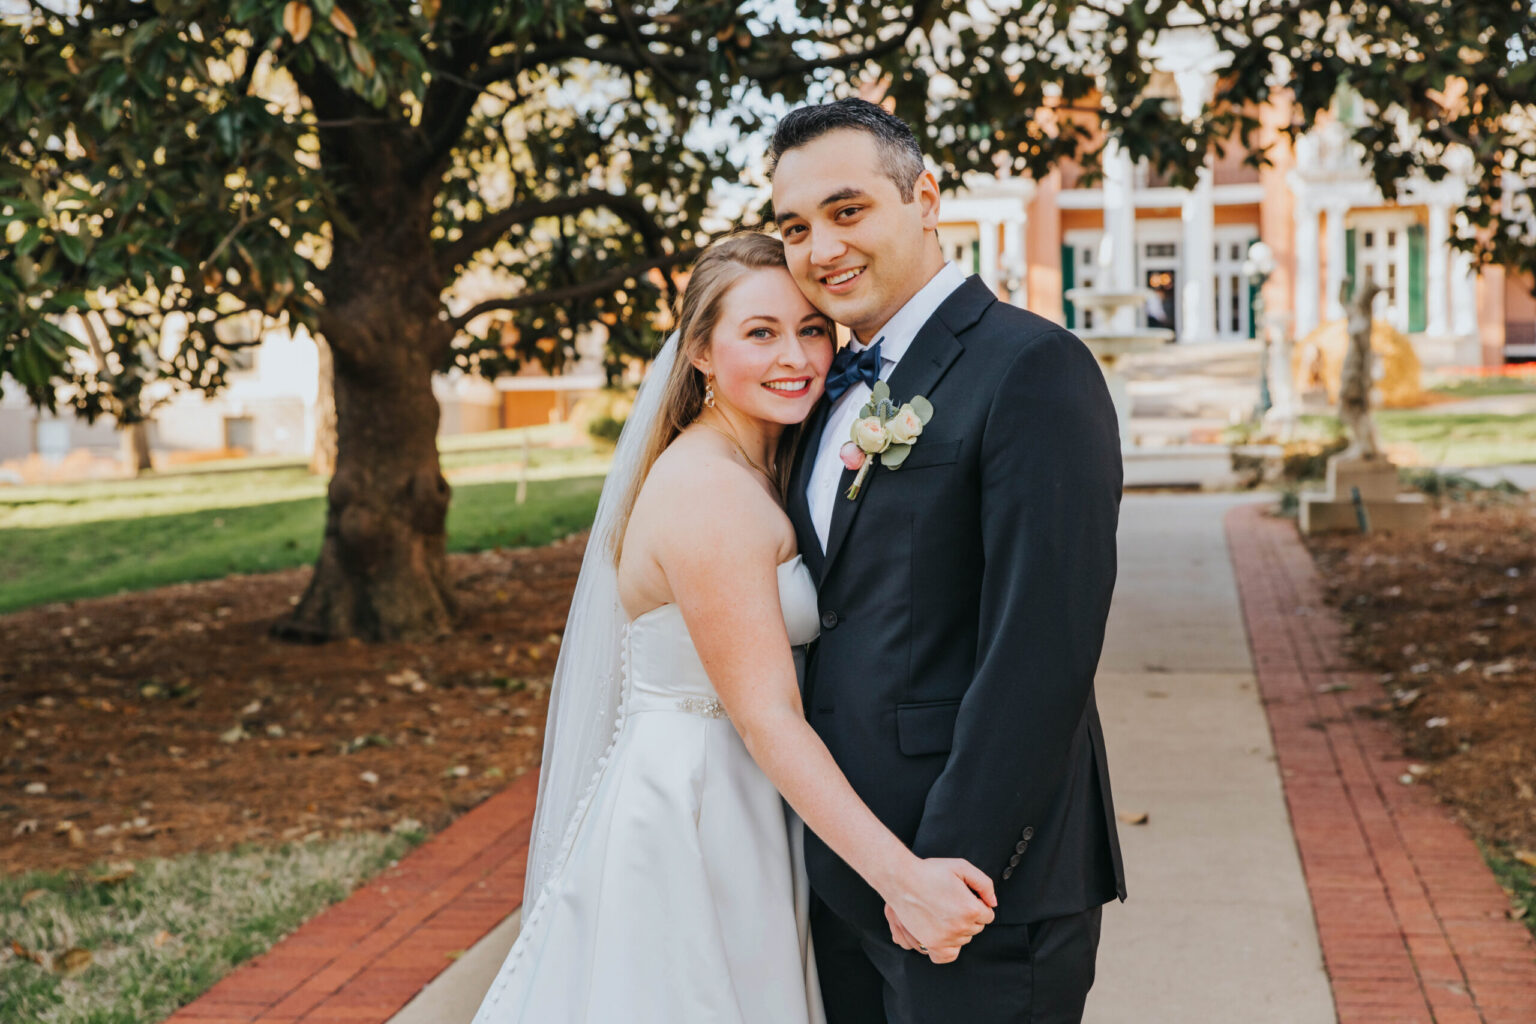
906 940
940 904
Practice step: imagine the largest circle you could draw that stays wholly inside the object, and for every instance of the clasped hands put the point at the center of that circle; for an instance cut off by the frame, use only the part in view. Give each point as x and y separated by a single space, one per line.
946 903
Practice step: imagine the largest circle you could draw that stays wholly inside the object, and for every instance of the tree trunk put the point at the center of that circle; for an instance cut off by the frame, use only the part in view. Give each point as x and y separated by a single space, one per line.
136 447
322 460
382 572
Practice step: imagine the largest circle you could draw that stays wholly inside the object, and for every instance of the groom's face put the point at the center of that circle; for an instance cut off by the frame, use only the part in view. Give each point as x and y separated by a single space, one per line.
857 251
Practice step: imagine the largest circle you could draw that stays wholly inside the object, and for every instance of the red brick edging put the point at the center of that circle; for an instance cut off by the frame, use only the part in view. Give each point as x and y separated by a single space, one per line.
362 959
1413 926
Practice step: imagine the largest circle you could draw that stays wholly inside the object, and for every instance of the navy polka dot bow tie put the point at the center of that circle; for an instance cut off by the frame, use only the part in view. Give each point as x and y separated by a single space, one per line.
850 367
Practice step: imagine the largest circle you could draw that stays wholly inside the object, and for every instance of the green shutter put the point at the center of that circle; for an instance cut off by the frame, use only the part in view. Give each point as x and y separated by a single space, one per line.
976 259
1349 260
1068 273
1253 328
1417 285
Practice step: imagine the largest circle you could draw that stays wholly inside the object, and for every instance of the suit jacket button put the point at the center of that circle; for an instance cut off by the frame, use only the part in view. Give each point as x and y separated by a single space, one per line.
1013 861
1021 846
829 620
1029 832
1007 873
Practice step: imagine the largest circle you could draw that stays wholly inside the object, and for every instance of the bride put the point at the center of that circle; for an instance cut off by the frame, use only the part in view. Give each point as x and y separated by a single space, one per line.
665 881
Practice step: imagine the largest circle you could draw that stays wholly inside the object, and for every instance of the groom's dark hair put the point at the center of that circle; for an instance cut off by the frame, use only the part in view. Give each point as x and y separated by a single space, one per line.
903 158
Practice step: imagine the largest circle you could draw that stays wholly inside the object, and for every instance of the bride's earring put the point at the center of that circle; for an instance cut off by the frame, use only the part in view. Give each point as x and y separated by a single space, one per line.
709 391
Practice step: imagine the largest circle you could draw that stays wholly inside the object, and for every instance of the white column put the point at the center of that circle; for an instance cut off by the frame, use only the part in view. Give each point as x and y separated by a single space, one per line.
1437 242
1014 266
1306 267
1120 228
1463 295
1336 259
988 269
1196 298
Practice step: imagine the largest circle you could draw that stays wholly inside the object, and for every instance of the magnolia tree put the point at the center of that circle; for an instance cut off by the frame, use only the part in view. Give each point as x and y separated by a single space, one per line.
169 167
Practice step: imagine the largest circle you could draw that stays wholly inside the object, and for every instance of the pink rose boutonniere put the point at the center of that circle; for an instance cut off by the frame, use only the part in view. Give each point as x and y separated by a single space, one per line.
886 430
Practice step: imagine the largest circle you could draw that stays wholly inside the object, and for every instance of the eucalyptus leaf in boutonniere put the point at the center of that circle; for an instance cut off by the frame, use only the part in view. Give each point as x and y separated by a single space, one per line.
886 430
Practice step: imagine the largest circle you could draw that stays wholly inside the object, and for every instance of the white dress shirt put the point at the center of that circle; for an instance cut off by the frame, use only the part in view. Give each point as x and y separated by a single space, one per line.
821 489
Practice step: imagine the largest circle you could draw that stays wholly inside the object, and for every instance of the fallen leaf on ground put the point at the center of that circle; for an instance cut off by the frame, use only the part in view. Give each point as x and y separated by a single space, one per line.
25 953
73 960
122 874
1135 817
1526 857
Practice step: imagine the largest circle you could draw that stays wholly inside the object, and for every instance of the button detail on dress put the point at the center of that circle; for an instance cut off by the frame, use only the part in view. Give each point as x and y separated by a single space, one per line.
829 619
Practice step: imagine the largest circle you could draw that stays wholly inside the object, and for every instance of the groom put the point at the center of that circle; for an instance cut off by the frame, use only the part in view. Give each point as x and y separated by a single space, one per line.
963 595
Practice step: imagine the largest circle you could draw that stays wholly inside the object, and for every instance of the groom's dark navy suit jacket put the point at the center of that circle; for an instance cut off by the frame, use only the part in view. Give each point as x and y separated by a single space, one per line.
963 599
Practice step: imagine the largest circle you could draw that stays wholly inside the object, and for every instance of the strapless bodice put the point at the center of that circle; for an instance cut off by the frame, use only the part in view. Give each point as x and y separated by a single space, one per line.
662 670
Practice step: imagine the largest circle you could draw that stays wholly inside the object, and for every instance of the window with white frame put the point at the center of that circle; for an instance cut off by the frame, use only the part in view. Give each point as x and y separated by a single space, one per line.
1381 255
1230 293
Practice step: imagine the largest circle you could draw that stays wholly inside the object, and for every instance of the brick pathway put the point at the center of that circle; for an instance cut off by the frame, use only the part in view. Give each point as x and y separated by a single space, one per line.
360 960
1412 924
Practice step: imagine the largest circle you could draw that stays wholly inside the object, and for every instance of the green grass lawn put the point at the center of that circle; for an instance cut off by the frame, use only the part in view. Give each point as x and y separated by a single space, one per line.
1448 439
72 541
164 935
1483 387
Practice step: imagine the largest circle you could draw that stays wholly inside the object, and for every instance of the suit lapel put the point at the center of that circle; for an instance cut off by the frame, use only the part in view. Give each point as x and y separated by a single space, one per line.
796 503
930 355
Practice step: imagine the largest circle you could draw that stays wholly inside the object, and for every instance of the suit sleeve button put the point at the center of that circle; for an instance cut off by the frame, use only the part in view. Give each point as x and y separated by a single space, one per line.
1013 861
829 619
1029 832
1007 873
1021 846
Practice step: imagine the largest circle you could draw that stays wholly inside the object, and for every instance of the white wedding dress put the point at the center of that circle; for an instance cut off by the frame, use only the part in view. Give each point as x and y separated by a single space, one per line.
684 898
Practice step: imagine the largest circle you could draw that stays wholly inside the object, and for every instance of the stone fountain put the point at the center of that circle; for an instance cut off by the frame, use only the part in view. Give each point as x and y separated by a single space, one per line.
1115 333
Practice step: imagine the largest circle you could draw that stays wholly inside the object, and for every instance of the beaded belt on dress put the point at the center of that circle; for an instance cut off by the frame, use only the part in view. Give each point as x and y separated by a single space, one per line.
704 707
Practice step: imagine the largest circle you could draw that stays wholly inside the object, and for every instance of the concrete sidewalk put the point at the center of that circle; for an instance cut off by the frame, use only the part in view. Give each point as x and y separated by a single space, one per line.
1219 925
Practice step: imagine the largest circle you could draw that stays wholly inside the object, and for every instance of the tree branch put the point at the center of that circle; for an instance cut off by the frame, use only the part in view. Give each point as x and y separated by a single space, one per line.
594 288
627 58
446 107
486 232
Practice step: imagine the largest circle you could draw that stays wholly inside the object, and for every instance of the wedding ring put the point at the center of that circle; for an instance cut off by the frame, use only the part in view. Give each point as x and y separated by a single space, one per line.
922 948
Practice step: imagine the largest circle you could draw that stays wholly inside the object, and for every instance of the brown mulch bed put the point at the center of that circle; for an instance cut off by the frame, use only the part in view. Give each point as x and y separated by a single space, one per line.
1448 617
167 721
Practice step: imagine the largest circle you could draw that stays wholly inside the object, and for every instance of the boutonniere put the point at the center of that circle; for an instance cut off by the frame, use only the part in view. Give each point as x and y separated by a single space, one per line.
885 430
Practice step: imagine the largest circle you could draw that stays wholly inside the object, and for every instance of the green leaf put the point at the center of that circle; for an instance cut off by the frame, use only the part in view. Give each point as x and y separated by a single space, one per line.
922 407
29 240
895 455
54 340
73 246
881 392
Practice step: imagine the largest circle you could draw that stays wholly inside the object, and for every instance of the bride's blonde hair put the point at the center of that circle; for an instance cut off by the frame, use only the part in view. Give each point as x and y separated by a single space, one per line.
722 264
